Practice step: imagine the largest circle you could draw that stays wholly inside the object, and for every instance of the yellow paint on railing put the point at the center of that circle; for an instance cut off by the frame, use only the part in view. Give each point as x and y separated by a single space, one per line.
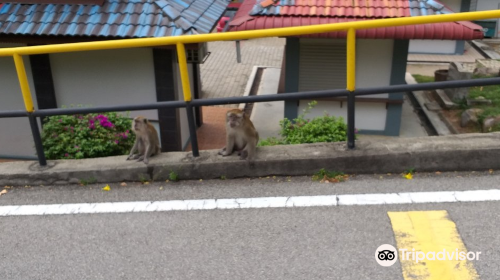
23 82
180 41
242 35
430 231
181 56
351 59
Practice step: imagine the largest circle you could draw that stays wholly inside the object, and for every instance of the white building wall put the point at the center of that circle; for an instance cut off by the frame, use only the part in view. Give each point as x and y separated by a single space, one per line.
485 5
373 64
373 68
432 46
453 5
16 138
108 77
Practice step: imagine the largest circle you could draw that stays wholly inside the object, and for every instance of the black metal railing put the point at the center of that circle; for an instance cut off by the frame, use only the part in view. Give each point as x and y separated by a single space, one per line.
244 99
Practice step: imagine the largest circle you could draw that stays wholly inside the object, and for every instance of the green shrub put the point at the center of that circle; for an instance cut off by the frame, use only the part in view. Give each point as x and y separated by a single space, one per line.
320 129
173 176
87 136
271 141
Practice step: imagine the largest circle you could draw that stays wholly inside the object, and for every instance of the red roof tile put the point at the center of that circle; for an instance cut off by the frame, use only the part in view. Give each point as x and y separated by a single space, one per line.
308 12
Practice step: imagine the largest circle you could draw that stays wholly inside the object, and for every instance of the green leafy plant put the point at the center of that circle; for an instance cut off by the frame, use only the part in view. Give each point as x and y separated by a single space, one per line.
86 181
330 176
271 141
410 171
302 130
223 177
87 136
173 176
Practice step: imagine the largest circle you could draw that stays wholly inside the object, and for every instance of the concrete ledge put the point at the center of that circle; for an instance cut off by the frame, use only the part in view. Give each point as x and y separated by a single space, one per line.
444 153
433 117
444 100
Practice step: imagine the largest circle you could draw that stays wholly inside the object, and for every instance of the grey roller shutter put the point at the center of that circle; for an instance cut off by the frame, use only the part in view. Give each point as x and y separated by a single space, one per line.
322 65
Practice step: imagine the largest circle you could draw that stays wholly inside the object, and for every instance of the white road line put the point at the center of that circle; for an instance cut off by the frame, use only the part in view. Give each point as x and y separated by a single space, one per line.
247 203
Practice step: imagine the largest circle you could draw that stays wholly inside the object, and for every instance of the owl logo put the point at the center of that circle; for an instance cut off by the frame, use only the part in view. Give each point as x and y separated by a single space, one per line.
386 255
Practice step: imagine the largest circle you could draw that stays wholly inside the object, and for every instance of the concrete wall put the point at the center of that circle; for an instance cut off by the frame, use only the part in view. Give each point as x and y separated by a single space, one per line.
433 46
373 68
109 77
16 138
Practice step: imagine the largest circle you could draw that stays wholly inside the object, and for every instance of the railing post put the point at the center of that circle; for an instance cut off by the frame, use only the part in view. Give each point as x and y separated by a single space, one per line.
181 56
37 139
192 130
351 86
28 103
23 82
350 121
186 88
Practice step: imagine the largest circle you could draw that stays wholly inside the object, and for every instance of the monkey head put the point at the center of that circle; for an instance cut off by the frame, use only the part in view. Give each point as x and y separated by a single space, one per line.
235 118
139 124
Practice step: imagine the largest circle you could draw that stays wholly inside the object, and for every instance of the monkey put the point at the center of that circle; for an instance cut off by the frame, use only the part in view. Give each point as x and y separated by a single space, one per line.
146 140
241 135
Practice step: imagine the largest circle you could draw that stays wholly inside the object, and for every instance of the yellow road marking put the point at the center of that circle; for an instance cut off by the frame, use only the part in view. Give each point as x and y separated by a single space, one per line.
430 231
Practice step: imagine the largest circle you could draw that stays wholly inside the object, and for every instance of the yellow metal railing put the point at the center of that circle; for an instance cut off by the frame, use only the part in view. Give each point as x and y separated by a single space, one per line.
180 41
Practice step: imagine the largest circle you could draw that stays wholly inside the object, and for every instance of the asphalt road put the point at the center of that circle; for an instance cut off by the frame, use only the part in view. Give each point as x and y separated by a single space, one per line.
270 243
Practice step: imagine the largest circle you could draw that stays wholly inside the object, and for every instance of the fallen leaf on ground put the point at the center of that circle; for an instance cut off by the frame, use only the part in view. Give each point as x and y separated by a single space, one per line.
8 187
146 183
381 177
409 176
201 180
161 188
123 184
3 192
438 173
336 179
491 171
106 188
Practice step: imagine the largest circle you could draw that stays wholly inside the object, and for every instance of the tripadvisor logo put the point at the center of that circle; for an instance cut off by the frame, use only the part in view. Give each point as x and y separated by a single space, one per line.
386 255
